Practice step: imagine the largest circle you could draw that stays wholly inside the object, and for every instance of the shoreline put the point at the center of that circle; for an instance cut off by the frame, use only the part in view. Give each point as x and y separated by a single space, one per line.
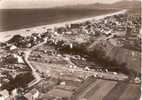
6 35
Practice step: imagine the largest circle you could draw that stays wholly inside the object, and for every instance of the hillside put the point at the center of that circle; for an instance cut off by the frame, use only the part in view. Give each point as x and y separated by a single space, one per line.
133 6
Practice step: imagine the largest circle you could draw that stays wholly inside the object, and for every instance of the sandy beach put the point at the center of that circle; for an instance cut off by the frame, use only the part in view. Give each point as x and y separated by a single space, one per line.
6 35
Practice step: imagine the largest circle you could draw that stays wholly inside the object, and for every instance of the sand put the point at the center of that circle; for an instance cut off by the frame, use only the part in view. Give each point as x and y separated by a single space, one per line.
6 35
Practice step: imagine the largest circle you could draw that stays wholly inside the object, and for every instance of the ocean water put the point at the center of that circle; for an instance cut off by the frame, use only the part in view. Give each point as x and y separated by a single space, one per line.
11 19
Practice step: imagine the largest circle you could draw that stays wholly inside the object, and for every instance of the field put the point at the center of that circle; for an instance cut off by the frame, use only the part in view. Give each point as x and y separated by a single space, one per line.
132 92
110 90
60 93
124 91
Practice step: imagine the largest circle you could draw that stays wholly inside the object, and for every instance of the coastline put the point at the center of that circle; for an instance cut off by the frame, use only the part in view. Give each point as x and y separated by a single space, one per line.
6 35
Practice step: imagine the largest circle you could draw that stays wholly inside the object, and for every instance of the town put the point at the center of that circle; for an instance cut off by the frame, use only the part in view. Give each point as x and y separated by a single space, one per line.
97 58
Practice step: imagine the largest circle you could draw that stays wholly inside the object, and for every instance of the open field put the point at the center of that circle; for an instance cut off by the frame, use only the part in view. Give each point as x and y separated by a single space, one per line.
59 93
131 93
102 91
97 89
57 70
110 90
124 91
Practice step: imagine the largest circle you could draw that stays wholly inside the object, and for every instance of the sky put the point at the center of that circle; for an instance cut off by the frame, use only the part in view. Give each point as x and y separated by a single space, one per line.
12 4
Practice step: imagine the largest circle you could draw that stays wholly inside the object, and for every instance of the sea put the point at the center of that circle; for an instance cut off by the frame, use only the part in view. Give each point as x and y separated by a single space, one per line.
12 19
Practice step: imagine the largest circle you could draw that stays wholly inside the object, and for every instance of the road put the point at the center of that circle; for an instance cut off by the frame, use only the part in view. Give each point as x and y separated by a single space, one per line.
35 72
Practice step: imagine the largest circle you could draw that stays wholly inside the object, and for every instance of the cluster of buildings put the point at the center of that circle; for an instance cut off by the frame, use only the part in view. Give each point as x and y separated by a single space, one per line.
71 39
111 26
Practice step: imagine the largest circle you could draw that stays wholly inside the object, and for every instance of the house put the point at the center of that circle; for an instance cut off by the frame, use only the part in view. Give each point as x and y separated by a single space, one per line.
13 58
12 47
75 25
